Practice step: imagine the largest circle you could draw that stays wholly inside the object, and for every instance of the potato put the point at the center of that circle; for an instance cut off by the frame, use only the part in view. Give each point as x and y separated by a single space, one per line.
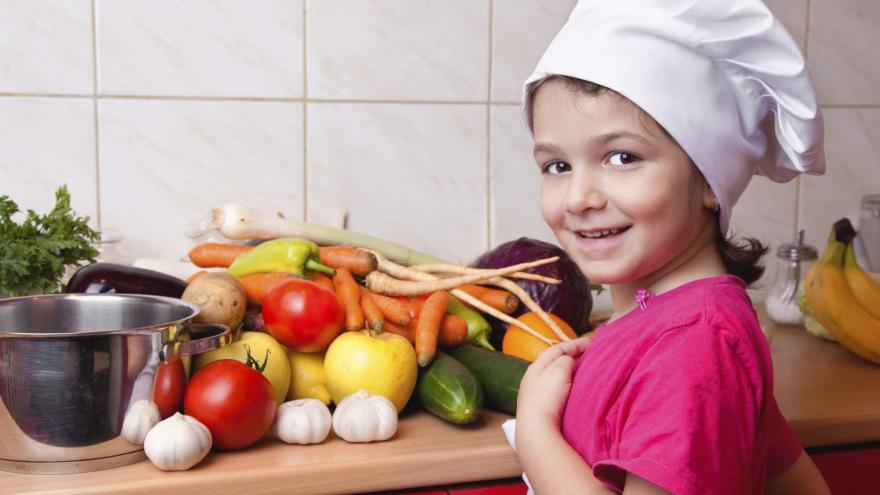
220 297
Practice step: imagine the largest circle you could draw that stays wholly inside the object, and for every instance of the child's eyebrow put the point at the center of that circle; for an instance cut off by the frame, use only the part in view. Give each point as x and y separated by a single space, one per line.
613 136
545 148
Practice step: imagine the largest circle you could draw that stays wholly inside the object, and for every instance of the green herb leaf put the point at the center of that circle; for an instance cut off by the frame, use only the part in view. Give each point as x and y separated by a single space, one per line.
33 254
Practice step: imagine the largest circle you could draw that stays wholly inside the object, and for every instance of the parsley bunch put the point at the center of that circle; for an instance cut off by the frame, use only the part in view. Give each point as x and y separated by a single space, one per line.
33 255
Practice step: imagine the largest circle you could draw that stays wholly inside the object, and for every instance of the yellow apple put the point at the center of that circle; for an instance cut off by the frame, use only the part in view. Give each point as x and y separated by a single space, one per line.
263 348
383 364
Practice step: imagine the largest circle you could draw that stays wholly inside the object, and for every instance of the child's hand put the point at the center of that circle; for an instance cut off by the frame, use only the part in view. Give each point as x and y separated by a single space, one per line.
546 384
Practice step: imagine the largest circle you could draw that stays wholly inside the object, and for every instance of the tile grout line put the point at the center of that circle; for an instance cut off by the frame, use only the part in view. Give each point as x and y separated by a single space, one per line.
252 99
305 113
797 206
807 30
95 115
247 99
800 182
489 236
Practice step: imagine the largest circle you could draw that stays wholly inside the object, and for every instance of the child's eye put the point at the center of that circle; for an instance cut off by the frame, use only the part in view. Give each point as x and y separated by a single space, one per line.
623 159
554 168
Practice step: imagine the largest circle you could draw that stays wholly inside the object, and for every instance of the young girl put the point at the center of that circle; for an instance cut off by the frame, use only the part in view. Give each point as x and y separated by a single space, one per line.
649 119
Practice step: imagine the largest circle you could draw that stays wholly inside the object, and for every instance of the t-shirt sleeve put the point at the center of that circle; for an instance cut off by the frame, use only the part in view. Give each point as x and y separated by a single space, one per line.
686 418
784 446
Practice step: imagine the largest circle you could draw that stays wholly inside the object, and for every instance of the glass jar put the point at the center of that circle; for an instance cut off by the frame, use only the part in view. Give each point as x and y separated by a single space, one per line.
109 246
869 231
792 263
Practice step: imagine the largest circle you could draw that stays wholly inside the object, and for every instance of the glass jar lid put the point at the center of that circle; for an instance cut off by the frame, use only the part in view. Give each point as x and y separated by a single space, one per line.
797 251
871 203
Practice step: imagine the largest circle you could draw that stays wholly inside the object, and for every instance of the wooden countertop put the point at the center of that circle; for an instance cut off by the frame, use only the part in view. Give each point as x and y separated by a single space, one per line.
828 395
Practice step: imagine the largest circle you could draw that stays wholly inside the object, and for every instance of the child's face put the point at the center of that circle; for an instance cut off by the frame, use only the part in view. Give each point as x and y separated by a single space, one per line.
604 169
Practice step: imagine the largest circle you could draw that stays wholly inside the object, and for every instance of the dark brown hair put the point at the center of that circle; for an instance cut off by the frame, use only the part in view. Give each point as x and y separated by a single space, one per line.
741 257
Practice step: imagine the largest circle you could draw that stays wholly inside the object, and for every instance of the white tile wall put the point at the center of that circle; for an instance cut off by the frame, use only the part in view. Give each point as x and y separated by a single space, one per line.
165 164
200 47
414 174
46 46
766 211
853 152
521 30
46 142
402 113
843 43
397 50
514 178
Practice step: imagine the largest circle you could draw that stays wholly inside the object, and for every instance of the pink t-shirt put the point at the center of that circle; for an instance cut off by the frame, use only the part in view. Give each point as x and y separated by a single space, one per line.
681 394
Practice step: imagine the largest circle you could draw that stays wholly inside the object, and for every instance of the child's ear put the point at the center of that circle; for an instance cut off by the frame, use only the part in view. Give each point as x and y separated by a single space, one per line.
709 200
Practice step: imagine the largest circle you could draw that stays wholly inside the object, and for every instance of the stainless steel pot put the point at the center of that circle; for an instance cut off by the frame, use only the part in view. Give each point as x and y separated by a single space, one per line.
72 364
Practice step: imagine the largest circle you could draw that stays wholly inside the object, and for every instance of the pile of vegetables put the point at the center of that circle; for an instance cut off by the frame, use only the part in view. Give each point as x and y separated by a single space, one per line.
310 294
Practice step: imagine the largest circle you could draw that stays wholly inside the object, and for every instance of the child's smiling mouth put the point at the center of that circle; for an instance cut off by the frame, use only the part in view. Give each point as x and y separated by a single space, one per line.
602 233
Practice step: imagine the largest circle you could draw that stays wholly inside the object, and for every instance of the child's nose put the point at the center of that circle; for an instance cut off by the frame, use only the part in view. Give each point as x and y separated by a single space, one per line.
584 194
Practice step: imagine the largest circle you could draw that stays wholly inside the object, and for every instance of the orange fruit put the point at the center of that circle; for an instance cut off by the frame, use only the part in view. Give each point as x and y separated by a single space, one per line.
517 342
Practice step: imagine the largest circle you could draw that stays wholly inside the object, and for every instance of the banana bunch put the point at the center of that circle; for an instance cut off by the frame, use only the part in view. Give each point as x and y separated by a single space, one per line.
843 297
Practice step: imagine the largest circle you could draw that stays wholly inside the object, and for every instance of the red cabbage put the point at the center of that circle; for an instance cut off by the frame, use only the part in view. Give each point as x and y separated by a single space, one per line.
571 300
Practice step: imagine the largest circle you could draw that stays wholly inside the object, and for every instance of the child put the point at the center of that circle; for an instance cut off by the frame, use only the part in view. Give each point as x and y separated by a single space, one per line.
650 117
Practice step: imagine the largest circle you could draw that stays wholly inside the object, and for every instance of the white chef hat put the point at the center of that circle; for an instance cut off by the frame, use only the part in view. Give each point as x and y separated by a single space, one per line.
723 77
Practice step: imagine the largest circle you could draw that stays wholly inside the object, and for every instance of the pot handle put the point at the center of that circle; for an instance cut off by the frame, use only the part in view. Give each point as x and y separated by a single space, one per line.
215 337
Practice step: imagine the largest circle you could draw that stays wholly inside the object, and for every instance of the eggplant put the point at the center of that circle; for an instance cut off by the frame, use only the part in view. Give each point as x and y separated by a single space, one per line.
113 278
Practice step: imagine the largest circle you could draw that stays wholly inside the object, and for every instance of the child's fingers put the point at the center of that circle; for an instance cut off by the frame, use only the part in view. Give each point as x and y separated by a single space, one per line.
568 348
563 364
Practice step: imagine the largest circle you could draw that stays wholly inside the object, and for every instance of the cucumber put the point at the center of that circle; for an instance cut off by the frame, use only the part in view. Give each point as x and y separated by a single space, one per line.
449 391
498 374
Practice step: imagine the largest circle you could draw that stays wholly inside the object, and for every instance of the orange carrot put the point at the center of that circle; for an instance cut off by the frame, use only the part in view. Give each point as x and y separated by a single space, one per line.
393 310
358 261
406 331
371 311
453 331
192 278
216 254
428 327
350 297
501 300
323 281
257 285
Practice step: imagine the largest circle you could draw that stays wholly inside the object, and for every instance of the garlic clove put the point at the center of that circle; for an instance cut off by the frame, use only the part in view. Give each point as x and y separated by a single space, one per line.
177 443
140 418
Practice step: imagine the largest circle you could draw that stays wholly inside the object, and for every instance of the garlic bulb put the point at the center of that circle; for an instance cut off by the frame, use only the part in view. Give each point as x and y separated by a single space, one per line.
140 418
364 417
302 421
177 443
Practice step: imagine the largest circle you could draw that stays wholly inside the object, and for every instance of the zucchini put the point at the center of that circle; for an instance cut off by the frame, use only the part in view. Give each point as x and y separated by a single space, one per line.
449 391
498 374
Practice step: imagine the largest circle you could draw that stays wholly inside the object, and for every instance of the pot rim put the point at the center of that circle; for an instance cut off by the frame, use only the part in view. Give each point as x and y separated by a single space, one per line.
146 329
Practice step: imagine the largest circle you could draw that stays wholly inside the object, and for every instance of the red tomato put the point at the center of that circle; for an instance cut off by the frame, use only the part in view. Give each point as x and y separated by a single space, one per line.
170 385
235 402
302 315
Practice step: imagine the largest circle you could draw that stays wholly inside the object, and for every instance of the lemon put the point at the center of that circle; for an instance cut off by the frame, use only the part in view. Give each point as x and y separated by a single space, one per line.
307 377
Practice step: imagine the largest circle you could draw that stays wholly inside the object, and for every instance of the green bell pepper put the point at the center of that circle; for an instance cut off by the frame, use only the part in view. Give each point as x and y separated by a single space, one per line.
288 254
